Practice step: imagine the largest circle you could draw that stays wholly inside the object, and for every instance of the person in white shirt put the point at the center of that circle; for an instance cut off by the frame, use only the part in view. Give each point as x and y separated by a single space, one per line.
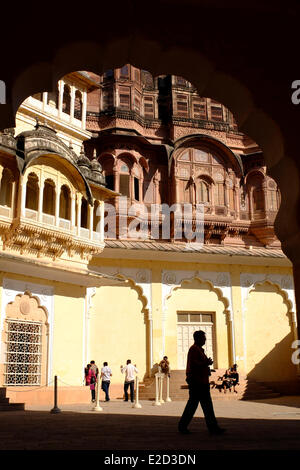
129 371
105 376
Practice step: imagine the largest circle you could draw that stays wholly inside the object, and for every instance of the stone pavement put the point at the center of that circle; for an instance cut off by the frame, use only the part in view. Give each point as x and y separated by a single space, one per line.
271 424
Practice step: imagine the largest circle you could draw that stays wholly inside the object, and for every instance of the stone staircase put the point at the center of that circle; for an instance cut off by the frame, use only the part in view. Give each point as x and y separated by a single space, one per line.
246 390
6 406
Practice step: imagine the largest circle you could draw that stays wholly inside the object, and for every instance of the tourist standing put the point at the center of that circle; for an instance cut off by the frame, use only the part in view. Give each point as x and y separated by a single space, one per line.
105 376
130 370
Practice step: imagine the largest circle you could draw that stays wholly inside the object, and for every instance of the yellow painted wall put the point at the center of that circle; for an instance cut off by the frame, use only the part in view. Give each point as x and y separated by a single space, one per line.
68 339
268 335
117 329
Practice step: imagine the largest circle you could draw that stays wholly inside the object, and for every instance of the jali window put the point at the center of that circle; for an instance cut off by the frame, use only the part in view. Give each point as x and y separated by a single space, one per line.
24 353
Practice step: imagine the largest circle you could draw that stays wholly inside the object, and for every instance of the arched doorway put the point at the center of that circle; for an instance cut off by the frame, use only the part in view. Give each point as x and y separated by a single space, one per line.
194 305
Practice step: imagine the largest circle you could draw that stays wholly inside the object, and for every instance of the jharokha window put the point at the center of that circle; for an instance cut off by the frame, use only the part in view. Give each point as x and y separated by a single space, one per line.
182 105
124 93
199 108
203 192
256 195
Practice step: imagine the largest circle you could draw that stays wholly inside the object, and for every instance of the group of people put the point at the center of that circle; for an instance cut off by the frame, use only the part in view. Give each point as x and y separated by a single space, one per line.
227 381
92 376
197 376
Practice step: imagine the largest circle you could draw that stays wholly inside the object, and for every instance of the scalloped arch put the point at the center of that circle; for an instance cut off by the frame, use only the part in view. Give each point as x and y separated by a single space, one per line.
217 290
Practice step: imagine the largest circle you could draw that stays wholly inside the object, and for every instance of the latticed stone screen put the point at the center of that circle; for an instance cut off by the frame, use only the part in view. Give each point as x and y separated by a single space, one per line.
24 353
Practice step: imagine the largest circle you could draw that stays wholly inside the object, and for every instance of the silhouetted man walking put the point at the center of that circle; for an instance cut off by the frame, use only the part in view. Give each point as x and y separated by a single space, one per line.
197 377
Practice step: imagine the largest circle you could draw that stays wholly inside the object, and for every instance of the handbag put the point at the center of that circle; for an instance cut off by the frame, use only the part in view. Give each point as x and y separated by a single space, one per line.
93 379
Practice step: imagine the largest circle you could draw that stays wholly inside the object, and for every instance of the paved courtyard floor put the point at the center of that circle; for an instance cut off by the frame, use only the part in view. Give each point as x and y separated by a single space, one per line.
262 425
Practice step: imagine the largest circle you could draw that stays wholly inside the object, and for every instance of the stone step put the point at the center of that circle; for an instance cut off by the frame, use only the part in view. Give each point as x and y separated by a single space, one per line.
178 389
12 406
5 405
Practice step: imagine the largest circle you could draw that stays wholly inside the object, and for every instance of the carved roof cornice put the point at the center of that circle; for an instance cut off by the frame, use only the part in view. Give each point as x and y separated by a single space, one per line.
8 143
41 139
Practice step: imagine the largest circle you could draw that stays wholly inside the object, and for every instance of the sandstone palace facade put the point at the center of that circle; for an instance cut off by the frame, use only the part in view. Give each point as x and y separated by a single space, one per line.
77 284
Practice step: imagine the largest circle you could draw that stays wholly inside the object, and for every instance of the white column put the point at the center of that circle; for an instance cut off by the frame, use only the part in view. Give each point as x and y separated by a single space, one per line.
91 219
79 198
73 211
102 221
23 196
45 97
57 204
72 107
84 106
41 194
60 97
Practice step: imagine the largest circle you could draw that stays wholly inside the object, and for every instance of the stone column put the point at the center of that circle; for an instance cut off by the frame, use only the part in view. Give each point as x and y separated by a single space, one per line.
73 211
226 196
237 200
57 205
61 86
78 201
141 184
84 106
265 191
102 221
23 183
212 195
45 98
90 220
41 194
72 106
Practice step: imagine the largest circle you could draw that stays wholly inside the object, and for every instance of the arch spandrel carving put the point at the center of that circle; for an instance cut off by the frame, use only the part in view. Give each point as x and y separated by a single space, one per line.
27 307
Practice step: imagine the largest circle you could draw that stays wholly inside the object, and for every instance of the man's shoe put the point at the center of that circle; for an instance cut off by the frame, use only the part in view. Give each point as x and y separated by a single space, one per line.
184 431
217 431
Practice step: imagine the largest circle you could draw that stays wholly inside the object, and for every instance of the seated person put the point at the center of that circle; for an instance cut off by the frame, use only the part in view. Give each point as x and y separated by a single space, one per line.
234 376
165 366
226 381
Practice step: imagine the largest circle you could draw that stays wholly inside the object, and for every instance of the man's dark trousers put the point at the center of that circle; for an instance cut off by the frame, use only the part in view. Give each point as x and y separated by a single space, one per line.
198 393
105 387
131 385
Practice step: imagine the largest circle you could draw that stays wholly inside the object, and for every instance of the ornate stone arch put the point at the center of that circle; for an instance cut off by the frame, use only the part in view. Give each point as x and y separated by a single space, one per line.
284 284
219 282
140 280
